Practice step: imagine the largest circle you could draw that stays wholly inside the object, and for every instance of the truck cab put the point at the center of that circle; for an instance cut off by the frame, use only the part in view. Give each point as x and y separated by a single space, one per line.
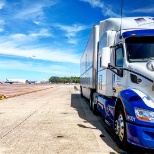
124 92
130 70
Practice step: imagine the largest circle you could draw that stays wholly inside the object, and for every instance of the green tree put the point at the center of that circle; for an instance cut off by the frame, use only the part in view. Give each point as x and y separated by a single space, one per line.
55 79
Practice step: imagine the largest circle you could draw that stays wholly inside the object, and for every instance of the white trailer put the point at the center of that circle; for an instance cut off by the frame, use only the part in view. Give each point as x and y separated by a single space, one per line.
89 63
117 76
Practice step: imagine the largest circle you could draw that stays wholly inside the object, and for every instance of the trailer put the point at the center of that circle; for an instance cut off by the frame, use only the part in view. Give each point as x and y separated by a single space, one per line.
117 76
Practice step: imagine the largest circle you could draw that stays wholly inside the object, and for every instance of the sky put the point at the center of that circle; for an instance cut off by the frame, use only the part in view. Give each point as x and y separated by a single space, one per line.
44 38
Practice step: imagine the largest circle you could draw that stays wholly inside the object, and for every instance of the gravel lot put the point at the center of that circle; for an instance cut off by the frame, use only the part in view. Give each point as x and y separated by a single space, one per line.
12 90
51 121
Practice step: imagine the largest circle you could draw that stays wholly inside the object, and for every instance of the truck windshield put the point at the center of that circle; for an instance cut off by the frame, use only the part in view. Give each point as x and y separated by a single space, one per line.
140 49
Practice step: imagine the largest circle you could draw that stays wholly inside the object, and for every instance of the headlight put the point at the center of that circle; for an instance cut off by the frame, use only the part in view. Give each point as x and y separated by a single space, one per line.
144 115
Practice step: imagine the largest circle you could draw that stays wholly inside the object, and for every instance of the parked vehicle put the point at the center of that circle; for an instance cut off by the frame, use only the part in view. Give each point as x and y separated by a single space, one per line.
117 76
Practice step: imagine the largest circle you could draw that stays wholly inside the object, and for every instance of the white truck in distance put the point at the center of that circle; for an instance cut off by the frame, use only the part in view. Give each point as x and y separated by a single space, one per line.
117 76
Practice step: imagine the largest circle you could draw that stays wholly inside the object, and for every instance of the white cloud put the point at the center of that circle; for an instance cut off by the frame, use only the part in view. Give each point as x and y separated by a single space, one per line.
2 3
53 54
33 10
26 9
14 64
21 39
21 45
18 36
94 3
108 12
144 10
36 22
2 23
30 12
1 29
57 69
72 41
71 31
106 9
47 53
43 32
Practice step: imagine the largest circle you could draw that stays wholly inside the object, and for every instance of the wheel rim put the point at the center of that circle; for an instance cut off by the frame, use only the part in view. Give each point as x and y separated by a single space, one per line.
119 127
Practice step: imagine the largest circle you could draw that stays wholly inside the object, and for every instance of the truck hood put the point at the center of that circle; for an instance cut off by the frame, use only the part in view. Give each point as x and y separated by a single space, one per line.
146 89
142 69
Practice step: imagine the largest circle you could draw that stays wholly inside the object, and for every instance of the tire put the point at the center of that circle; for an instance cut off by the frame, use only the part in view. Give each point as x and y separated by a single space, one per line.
94 106
81 92
120 127
90 102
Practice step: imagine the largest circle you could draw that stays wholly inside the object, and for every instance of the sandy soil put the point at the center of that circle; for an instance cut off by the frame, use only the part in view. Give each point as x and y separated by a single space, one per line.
52 121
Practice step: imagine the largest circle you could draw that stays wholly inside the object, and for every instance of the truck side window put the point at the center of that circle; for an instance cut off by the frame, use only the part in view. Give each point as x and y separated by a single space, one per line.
119 57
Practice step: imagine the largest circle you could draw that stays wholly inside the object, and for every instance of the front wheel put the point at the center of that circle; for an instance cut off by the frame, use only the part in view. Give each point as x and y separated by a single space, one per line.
120 127
81 92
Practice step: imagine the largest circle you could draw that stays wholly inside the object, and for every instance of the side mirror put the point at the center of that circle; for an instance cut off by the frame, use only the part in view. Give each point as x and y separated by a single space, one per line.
105 57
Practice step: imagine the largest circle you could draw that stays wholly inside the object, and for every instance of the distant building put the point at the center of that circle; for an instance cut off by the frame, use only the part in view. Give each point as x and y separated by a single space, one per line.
21 81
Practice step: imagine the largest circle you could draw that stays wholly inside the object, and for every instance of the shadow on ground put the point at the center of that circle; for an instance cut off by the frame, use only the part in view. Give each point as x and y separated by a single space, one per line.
82 107
76 101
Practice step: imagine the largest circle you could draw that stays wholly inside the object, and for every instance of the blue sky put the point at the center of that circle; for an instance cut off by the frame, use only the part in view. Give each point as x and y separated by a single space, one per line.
44 38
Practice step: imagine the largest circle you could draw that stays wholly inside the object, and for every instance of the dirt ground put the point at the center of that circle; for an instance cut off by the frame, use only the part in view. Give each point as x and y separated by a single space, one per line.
52 121
12 90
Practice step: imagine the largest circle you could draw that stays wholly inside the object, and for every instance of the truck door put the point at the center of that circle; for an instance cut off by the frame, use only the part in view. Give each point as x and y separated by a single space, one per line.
118 61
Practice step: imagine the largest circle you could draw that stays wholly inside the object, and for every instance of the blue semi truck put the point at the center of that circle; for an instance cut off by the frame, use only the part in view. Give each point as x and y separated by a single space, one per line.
117 76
